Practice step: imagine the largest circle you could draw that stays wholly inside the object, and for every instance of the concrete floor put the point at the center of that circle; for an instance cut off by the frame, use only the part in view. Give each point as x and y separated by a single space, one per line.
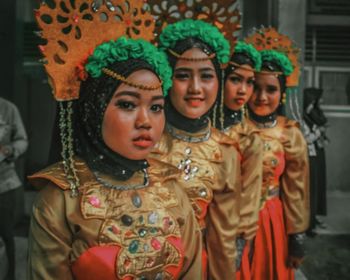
338 218
337 221
21 257
328 254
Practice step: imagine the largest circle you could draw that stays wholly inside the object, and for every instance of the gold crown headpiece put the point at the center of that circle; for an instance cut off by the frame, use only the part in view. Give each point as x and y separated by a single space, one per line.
268 38
73 29
224 14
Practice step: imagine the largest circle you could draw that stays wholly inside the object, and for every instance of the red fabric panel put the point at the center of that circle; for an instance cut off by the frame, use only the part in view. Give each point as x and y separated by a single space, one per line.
271 245
96 263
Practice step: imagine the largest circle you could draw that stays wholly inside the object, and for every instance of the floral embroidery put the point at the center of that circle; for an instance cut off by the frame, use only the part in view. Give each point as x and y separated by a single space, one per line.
95 201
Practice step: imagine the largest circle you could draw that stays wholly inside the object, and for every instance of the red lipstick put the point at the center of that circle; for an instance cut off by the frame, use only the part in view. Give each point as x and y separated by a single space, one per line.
240 101
143 141
194 102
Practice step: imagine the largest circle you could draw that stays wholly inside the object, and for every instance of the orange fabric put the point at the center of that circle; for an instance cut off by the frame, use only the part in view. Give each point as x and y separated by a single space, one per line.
203 205
244 272
99 263
285 165
96 263
271 244
175 270
204 263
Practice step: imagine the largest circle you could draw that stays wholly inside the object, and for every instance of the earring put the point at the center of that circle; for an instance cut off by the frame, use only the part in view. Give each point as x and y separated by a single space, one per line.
221 107
243 112
283 99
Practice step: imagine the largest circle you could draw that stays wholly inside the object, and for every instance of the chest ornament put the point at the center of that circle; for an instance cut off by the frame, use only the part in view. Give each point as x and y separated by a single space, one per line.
186 166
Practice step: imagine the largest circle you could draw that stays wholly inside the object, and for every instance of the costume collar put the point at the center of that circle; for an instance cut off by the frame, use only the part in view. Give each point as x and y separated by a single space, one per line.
179 121
267 121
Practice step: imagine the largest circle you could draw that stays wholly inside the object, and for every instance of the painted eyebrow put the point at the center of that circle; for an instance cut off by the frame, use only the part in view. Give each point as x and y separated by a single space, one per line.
158 97
206 69
191 70
137 95
271 87
183 69
128 93
242 77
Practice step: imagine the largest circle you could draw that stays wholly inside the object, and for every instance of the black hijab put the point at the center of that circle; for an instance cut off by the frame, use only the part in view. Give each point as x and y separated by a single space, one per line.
313 114
95 95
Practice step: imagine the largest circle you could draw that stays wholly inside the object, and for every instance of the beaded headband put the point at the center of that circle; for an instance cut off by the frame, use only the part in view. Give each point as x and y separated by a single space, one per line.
124 49
187 58
276 73
279 48
236 65
129 83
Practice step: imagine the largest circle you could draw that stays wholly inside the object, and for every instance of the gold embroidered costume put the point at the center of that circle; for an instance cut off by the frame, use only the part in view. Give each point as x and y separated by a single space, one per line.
211 178
250 147
284 214
150 229
286 172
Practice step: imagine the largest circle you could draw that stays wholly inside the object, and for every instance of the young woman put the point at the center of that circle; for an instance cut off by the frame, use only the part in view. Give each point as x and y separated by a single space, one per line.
238 87
130 219
209 162
284 211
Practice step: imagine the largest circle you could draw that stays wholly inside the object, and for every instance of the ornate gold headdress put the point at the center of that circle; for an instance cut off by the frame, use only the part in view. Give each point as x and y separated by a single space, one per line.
268 38
224 14
73 28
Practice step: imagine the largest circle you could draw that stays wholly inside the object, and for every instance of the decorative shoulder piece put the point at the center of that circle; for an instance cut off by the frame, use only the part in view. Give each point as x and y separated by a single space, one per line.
270 39
224 14
73 28
197 29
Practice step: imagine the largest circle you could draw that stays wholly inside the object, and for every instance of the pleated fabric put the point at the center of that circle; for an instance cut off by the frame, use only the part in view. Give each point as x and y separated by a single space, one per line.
244 273
271 244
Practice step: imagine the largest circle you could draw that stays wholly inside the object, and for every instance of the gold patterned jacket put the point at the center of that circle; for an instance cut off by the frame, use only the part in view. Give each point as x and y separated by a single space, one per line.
211 178
250 147
286 172
105 233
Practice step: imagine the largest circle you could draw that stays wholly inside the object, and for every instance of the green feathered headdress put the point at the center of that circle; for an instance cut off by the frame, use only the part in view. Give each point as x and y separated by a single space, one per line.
201 30
280 59
124 49
250 51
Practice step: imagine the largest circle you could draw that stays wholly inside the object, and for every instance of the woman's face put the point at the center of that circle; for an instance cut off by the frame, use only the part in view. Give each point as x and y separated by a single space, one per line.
195 85
134 119
239 87
266 96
